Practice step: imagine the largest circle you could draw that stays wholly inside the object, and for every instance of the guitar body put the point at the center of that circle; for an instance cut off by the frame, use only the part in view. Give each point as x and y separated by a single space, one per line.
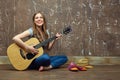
21 59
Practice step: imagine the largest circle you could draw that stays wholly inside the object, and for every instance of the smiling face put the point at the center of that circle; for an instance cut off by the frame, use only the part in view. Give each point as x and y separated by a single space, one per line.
38 19
39 23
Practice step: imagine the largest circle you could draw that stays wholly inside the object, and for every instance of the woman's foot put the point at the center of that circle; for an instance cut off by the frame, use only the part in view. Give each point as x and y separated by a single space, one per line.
42 68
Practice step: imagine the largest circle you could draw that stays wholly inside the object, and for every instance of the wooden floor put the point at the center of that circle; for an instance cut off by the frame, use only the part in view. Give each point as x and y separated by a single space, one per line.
104 72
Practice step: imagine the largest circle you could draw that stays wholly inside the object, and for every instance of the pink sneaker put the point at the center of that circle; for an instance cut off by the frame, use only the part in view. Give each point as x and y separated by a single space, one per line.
81 68
72 67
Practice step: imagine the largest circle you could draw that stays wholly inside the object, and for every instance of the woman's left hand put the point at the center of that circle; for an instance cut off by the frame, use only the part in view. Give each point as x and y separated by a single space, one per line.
58 35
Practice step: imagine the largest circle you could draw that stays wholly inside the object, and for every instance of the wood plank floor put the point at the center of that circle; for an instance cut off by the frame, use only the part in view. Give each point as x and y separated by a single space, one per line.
101 72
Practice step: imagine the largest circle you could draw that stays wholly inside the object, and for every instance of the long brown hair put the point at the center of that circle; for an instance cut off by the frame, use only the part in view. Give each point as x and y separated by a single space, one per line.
44 34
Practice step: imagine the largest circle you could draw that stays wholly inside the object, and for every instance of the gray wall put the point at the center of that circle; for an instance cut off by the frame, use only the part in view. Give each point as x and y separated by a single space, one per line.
95 24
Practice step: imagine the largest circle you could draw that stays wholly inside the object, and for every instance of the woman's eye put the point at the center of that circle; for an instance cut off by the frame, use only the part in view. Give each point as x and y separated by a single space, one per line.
36 17
39 17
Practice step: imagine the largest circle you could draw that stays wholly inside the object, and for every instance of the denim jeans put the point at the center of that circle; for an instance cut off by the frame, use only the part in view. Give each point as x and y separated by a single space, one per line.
46 60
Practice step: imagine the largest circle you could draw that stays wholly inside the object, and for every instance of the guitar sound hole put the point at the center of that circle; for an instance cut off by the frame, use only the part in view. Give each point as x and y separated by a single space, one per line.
30 55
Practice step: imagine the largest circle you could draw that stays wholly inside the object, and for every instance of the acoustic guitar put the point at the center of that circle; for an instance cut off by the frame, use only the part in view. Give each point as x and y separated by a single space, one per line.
21 59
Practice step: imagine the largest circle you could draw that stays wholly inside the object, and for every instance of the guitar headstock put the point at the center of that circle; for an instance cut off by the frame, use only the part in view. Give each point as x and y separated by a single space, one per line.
66 30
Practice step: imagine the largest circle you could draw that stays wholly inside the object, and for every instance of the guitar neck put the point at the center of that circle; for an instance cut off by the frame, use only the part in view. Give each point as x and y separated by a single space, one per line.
65 31
45 42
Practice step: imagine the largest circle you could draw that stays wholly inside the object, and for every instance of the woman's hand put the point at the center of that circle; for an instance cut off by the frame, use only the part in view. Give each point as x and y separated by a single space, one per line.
32 50
58 35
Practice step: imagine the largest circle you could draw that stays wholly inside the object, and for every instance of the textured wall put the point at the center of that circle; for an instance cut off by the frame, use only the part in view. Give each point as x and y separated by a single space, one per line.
95 24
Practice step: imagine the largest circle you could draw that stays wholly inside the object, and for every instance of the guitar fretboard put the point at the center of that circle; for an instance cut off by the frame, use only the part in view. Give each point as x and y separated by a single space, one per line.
44 42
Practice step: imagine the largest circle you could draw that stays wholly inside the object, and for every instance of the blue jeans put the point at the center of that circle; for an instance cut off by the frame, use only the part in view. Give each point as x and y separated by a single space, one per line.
46 60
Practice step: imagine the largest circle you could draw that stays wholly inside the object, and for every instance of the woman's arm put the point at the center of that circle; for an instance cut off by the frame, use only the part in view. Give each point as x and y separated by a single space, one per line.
18 40
52 42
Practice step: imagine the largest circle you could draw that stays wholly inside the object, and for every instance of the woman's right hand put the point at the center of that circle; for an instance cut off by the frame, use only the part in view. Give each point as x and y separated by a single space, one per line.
32 50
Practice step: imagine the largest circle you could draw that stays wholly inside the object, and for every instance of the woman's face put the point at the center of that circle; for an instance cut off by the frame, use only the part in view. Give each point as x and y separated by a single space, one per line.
39 20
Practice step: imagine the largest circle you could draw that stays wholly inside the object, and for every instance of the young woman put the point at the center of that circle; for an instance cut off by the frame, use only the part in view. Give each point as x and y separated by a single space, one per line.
39 30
